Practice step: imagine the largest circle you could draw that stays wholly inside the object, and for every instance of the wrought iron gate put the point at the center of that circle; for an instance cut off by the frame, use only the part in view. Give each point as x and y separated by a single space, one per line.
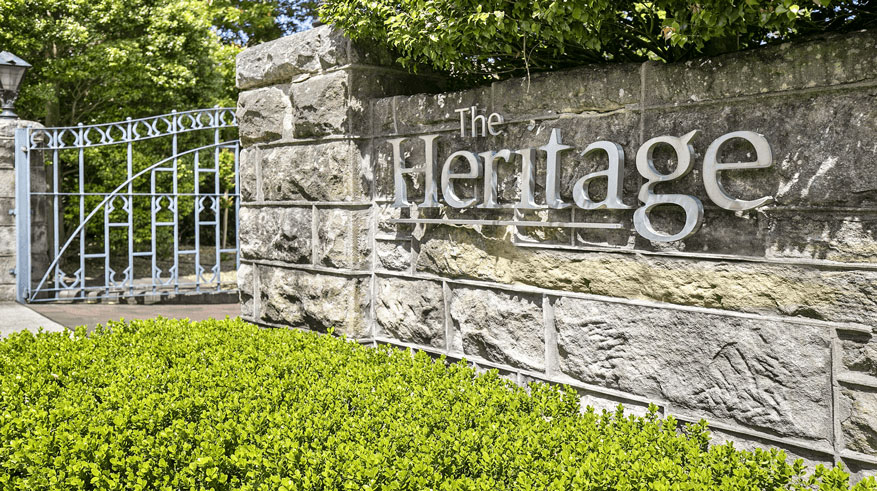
161 227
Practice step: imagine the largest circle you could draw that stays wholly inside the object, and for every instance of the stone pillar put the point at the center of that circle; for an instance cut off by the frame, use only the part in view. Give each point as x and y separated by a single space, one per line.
306 178
8 235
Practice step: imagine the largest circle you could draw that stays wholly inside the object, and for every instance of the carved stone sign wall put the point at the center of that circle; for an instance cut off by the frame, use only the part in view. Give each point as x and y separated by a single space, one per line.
701 235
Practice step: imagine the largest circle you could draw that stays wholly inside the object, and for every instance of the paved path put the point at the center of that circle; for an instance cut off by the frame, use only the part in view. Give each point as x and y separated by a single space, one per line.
91 314
15 317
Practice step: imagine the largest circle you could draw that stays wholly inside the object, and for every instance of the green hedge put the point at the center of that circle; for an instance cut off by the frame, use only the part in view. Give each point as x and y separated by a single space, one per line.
478 39
169 404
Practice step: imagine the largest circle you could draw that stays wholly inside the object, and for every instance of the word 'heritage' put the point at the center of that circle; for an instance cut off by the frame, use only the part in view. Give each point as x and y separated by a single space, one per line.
483 166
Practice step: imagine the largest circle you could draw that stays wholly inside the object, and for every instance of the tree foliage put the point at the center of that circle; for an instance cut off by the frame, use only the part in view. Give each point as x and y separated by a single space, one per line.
103 60
250 22
476 38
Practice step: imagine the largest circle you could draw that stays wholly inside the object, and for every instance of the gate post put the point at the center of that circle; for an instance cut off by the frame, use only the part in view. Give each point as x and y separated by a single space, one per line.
22 214
21 233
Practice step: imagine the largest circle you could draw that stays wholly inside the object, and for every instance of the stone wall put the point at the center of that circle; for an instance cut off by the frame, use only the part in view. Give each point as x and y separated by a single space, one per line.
763 322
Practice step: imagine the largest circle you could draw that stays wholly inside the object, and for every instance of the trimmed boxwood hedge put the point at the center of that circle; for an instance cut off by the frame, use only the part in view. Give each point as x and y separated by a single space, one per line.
169 404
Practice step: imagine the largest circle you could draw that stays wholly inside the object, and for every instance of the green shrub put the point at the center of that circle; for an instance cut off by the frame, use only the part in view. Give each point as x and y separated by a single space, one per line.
476 38
169 404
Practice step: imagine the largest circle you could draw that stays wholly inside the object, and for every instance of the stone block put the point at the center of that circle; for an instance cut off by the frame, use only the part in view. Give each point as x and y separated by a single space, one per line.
383 118
500 327
859 353
368 84
429 113
588 89
343 238
858 419
314 301
544 235
411 311
760 373
321 105
818 234
393 255
8 240
323 172
7 156
787 233
250 160
281 60
282 234
841 295
7 264
387 212
860 470
820 62
721 232
7 183
823 163
337 103
246 289
264 114
6 205
7 293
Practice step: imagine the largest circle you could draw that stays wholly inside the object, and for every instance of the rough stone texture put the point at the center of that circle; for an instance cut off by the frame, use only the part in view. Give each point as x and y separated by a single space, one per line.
309 172
499 327
282 60
849 237
770 375
393 255
849 296
337 103
594 88
245 289
321 105
858 416
425 113
312 51
343 238
860 353
264 114
410 311
859 469
315 301
250 160
8 244
7 186
820 62
277 233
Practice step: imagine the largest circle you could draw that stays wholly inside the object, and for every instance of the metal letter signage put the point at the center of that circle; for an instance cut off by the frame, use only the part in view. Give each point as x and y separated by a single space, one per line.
692 206
484 165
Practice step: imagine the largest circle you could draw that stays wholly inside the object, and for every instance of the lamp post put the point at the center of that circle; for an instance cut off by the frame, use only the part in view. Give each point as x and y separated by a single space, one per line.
12 70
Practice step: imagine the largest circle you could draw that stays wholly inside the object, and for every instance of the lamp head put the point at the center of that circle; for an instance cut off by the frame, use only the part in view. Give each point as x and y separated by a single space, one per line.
12 70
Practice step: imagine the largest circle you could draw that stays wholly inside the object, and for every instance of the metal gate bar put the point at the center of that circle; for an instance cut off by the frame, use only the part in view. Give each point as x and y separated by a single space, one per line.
54 284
